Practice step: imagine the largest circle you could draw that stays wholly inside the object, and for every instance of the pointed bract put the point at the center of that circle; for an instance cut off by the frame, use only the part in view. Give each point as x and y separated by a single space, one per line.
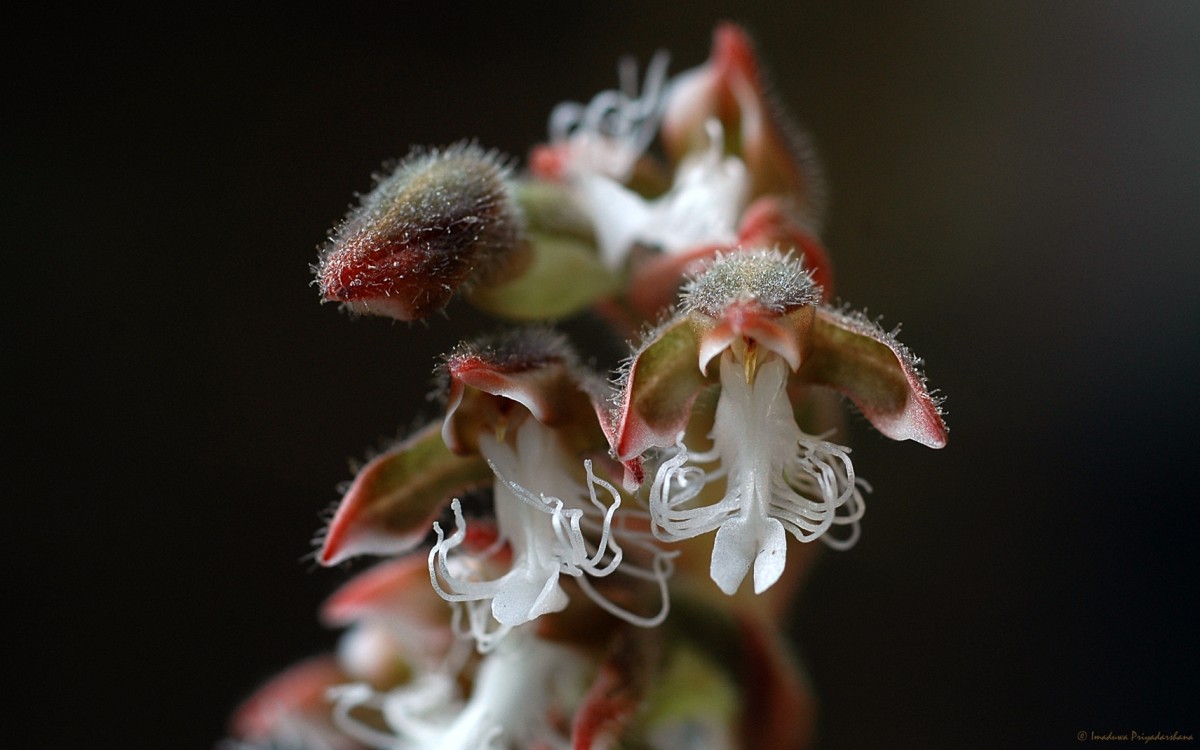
533 619
393 591
395 498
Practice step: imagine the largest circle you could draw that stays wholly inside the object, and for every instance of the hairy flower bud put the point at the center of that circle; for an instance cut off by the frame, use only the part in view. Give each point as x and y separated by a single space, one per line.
442 220
731 90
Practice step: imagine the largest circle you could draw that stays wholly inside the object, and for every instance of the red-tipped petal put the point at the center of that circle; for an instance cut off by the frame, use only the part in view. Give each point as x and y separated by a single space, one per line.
492 378
395 589
784 334
540 388
880 375
395 498
659 389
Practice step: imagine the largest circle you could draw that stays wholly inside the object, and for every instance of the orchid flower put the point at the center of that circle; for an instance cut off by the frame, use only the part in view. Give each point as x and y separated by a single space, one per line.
599 145
741 174
518 690
522 404
397 632
755 316
521 415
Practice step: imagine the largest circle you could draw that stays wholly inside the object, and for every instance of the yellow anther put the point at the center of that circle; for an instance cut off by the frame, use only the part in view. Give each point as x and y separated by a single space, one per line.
750 362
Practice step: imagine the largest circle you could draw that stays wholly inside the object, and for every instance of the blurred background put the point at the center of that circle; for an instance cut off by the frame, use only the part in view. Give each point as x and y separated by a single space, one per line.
1016 183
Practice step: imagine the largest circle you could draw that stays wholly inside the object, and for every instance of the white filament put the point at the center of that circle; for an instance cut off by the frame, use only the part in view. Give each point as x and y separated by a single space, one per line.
610 133
603 141
564 529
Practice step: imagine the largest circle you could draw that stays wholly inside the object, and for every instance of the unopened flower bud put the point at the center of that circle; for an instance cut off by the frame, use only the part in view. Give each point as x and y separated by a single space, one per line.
444 219
730 89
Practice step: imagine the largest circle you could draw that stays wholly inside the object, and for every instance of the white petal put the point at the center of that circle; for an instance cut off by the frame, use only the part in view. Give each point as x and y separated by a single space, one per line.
734 548
526 596
772 555
705 201
618 214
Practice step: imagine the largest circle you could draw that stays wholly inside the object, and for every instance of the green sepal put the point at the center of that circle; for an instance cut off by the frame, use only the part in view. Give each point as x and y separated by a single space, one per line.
660 387
854 356
562 274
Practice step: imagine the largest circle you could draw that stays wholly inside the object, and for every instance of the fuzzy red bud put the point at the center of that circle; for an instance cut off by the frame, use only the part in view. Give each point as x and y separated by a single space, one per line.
444 219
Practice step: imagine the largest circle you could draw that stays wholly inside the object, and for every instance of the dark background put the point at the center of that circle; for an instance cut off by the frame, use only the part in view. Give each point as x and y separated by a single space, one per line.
1017 184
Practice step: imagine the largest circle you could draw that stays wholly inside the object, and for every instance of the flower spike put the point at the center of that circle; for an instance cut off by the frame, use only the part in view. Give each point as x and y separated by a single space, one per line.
530 600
